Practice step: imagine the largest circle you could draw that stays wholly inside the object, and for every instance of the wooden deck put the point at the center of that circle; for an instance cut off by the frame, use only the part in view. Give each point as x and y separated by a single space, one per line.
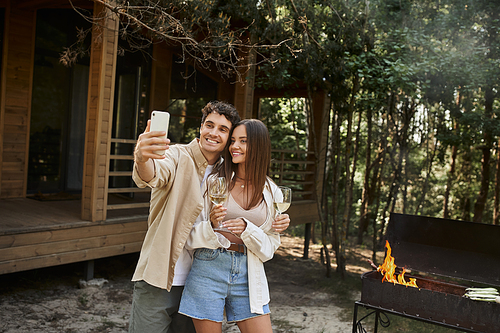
35 234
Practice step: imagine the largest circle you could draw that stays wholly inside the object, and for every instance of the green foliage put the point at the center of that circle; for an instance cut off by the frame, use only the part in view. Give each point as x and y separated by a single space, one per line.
422 69
286 120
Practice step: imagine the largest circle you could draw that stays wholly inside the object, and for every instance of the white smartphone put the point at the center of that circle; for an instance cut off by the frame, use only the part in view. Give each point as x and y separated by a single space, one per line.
159 122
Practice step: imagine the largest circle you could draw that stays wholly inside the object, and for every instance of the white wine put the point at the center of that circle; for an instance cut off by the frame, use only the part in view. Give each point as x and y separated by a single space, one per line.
218 198
281 206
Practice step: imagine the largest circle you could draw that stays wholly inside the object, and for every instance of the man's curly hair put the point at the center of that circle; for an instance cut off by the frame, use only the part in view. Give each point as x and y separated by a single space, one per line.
222 108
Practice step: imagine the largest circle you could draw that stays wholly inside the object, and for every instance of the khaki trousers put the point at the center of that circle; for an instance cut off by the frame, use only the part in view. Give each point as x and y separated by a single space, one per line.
154 310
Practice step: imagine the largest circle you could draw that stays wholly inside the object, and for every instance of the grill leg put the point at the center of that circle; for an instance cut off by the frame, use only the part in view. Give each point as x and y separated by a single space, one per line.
377 317
355 318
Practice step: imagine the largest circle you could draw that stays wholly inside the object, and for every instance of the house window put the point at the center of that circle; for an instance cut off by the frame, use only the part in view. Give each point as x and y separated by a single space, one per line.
59 104
190 91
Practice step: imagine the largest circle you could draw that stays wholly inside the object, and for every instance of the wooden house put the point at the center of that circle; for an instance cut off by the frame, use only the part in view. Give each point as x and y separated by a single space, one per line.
67 134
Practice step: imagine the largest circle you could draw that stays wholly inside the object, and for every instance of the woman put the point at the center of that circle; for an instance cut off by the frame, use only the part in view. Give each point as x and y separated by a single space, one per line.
228 271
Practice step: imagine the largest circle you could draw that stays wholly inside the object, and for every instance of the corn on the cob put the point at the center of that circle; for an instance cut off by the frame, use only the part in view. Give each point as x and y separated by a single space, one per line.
483 294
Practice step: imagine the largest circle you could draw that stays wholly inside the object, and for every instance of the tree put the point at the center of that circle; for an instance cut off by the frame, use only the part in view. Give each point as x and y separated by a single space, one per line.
211 34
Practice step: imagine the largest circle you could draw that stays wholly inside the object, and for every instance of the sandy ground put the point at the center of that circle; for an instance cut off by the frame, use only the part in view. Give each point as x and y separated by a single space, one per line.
52 299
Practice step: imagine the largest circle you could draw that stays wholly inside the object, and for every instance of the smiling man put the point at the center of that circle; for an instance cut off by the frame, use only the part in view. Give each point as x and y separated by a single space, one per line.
176 202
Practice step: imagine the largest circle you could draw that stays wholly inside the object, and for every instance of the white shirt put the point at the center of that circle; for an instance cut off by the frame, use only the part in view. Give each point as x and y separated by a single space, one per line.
261 243
183 265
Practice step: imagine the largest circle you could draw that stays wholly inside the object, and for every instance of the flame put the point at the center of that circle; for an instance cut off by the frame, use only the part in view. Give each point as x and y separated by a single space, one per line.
388 270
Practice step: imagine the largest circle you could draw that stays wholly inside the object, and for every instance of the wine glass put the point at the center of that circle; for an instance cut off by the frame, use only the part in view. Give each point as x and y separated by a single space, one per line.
217 192
283 201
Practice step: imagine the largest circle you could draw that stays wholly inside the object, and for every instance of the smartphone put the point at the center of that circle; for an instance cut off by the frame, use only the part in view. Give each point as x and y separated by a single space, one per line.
159 122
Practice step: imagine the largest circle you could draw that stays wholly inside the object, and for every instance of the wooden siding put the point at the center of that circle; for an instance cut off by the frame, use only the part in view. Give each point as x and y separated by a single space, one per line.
17 76
99 115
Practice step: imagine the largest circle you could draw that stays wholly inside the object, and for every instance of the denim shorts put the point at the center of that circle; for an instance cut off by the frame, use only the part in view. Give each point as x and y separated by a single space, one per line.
218 280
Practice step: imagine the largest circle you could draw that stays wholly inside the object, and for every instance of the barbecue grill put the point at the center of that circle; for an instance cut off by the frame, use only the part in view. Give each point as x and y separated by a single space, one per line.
446 257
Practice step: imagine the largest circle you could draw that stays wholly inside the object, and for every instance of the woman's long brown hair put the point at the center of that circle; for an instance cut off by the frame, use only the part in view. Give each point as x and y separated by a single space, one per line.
257 159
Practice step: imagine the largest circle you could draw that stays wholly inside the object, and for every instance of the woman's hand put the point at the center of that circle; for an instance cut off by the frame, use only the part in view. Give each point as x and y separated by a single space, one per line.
281 222
236 226
217 215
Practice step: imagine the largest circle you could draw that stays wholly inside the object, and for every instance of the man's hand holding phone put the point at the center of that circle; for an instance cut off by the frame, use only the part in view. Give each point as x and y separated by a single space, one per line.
149 144
152 144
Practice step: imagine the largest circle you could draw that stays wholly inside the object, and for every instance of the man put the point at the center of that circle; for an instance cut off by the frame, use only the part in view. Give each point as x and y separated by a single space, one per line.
176 203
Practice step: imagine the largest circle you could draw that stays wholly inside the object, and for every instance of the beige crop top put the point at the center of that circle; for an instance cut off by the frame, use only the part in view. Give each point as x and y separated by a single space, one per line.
257 215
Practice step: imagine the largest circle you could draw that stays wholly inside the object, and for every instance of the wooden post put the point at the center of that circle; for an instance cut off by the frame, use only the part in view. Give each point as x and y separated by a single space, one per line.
99 114
307 240
244 92
161 73
88 270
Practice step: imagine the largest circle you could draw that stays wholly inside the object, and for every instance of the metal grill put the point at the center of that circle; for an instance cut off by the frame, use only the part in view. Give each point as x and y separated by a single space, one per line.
437 251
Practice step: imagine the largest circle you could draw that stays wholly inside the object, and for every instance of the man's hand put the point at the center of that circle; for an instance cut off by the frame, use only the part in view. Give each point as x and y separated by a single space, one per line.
281 223
147 143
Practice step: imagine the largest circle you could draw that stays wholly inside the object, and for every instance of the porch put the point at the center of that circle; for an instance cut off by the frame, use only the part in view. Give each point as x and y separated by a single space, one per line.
36 234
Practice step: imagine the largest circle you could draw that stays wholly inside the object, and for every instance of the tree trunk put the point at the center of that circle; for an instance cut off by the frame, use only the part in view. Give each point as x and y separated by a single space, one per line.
377 179
348 193
335 158
451 173
351 172
496 206
451 176
485 183
323 205
363 219
427 176
466 170
485 162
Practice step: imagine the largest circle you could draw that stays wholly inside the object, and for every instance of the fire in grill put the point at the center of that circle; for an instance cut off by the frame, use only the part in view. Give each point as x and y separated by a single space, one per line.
450 256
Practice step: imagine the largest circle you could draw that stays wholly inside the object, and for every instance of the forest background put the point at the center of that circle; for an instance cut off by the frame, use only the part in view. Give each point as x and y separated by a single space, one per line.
413 88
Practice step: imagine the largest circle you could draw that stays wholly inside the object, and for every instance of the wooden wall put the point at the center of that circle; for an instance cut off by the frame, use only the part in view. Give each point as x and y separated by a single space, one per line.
99 115
15 99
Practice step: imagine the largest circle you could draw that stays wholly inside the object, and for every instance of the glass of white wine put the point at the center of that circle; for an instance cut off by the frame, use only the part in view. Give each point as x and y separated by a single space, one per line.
218 193
282 202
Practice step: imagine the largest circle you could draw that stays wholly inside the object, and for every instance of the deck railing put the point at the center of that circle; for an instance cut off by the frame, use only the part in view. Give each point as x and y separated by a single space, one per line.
295 169
292 168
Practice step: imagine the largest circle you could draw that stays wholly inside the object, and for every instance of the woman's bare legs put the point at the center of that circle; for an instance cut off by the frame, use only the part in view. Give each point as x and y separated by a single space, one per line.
259 324
207 326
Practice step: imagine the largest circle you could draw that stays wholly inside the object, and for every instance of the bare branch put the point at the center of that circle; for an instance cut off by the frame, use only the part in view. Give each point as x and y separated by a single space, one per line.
208 44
